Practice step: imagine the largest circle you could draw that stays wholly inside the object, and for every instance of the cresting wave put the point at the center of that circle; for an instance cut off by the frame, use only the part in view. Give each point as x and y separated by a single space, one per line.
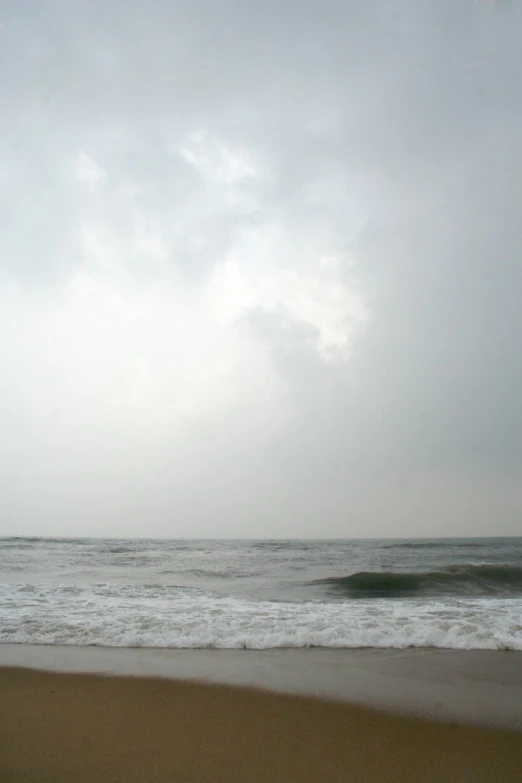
459 579
177 617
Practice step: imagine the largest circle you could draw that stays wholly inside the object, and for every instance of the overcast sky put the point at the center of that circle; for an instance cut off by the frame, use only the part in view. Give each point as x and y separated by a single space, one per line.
261 268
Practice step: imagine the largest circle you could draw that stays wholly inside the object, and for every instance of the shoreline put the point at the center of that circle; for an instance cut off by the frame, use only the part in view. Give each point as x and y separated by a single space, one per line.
58 728
474 687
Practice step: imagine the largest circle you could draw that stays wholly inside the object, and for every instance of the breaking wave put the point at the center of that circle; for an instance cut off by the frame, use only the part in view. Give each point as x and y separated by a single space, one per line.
461 579
177 617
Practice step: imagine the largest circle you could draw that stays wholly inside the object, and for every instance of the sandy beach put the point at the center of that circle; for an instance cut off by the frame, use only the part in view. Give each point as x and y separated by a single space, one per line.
478 687
72 727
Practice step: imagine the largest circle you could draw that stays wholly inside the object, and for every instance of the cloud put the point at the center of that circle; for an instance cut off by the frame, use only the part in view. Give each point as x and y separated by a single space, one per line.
125 360
217 162
260 268
88 171
334 313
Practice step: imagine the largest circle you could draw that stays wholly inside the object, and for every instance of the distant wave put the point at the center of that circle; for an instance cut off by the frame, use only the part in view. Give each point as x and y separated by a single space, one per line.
276 546
458 579
207 573
17 540
440 544
20 541
416 545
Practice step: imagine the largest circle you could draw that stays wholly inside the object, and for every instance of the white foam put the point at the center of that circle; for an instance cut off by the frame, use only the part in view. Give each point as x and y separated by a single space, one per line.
160 616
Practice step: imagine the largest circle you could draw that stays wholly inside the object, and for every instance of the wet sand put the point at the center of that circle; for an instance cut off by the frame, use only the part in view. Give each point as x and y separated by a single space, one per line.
76 728
469 686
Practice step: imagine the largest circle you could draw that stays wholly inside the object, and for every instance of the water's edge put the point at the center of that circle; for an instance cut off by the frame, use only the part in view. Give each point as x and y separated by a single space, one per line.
472 686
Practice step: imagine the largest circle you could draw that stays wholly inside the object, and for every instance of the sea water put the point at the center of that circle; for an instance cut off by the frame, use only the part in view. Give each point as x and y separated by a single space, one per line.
451 593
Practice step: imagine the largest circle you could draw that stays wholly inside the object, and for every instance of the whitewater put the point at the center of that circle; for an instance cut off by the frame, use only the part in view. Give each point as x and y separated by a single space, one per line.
453 593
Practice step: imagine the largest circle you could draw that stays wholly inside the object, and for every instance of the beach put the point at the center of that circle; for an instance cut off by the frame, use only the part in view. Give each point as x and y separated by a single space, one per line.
60 728
239 661
110 725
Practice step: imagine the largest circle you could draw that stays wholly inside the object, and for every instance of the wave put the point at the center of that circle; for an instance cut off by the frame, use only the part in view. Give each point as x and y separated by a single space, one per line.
418 545
450 543
177 617
277 546
459 579
207 573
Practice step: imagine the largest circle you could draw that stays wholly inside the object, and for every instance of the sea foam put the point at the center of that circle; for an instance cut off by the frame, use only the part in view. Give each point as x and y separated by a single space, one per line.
179 617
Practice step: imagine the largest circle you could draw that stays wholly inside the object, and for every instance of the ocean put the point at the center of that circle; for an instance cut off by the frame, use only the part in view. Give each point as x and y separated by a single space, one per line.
451 593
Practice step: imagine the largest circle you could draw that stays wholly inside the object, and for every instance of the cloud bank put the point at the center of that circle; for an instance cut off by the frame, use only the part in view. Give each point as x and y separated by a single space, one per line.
260 270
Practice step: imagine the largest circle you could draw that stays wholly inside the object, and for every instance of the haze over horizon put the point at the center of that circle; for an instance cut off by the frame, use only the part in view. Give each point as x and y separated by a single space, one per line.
260 269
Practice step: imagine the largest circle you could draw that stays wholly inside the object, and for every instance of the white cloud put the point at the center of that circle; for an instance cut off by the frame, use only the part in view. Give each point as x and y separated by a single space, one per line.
271 264
88 171
160 273
125 362
217 161
128 350
336 311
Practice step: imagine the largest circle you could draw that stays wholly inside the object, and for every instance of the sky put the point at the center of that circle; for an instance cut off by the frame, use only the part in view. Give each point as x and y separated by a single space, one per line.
261 268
